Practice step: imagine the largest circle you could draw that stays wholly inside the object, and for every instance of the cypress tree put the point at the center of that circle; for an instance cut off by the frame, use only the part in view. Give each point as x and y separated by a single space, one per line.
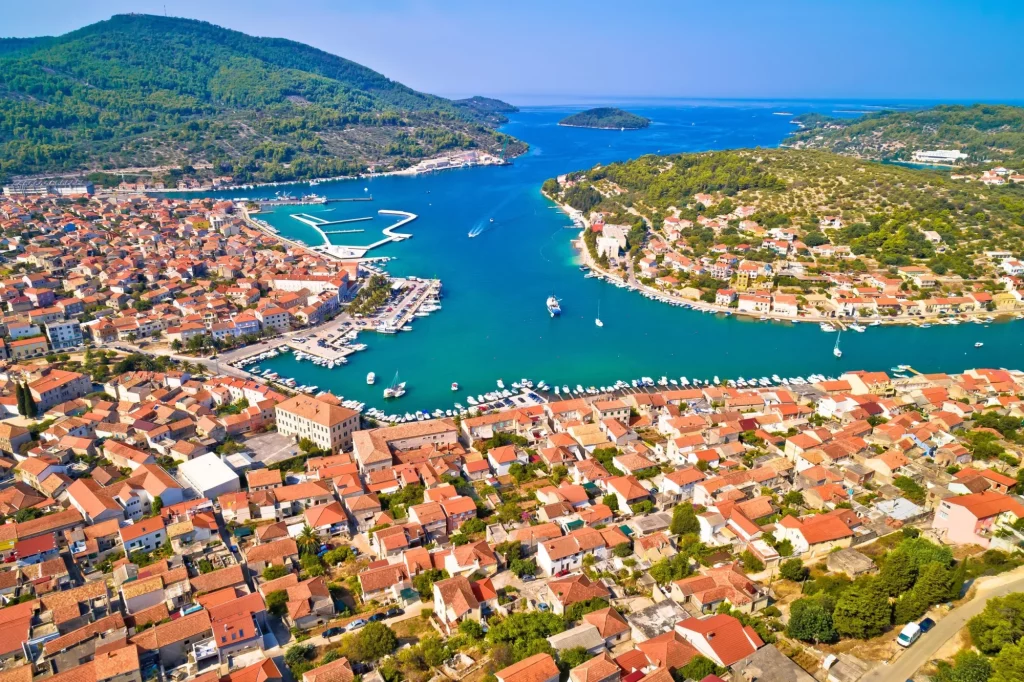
30 404
20 393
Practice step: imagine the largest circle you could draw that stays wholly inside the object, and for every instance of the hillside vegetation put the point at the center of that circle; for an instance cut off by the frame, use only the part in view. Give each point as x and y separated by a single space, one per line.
145 91
884 208
606 117
988 134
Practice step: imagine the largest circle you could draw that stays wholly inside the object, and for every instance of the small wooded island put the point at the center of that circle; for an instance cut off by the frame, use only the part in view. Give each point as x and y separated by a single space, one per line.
606 118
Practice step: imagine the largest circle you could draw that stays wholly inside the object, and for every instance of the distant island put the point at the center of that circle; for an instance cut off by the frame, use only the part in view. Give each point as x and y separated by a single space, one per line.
606 118
976 135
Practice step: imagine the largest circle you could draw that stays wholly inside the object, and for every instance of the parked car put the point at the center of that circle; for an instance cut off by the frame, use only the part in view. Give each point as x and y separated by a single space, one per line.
377 617
356 624
908 635
333 632
926 625
394 612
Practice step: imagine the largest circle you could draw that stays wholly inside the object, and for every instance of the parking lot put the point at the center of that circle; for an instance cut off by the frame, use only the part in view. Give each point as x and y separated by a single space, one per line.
271 447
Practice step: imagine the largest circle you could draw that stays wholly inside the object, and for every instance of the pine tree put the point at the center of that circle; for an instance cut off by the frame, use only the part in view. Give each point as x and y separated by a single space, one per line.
898 573
863 611
911 606
933 582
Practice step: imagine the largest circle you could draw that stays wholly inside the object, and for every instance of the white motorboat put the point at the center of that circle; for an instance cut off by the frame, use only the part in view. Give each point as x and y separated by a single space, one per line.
455 386
835 351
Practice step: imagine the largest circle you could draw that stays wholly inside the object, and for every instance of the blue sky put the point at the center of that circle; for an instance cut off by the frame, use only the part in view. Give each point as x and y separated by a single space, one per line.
560 51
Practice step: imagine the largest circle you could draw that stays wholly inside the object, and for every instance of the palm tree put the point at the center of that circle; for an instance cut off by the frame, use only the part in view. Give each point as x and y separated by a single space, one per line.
307 540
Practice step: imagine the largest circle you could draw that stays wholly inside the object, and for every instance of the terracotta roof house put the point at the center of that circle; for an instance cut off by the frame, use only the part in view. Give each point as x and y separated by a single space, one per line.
721 638
454 602
536 668
814 535
567 591
610 624
601 668
725 584
339 670
668 650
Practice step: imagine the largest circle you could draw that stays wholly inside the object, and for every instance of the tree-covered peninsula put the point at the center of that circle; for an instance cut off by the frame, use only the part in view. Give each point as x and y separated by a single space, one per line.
608 118
826 211
159 93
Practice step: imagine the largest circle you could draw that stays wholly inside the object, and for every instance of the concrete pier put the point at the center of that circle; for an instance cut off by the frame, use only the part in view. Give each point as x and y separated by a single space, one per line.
390 235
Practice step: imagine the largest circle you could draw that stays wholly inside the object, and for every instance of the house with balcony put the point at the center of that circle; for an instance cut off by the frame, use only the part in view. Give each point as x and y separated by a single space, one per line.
978 519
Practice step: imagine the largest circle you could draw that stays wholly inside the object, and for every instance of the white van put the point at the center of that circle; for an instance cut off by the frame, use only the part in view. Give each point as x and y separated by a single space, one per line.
909 634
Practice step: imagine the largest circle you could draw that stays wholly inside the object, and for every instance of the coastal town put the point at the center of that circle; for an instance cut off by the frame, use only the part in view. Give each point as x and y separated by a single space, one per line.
168 517
720 254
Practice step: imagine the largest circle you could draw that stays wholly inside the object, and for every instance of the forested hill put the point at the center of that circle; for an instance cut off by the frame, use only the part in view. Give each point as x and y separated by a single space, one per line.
988 134
488 108
143 91
606 117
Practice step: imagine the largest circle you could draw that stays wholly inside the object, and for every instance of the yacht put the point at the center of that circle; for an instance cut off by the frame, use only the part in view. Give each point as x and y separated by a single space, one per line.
826 327
858 328
371 378
553 307
979 344
455 386
501 384
396 389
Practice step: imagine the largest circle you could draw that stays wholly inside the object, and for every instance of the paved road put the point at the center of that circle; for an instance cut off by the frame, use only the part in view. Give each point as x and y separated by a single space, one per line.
907 665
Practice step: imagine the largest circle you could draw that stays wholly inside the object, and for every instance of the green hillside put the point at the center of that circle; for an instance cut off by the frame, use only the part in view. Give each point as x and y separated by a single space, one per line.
146 91
988 134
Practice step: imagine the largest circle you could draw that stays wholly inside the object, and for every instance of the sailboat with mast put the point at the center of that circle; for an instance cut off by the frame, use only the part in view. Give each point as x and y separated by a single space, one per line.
835 351
396 389
597 320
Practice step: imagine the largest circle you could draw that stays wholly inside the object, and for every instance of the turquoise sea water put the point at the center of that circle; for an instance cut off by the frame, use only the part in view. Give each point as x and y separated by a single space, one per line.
494 323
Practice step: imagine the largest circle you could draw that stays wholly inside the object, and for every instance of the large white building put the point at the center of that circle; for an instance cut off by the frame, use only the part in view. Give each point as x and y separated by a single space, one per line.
209 476
328 425
64 334
938 156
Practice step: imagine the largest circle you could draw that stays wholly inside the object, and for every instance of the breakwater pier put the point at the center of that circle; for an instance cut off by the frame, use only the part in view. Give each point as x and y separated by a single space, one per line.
390 233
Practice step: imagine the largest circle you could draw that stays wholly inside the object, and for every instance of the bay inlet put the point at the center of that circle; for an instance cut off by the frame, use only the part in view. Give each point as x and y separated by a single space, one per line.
494 323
